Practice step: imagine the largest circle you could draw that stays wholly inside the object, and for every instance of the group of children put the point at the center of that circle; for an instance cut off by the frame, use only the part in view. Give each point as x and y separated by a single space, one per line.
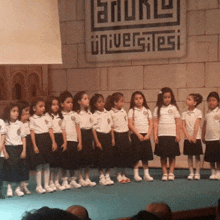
72 133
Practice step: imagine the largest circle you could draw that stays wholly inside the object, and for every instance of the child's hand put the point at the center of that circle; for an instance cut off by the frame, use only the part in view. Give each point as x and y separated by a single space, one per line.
23 155
54 146
36 150
178 138
194 139
79 147
140 137
189 138
156 140
129 138
146 137
98 144
6 156
203 140
64 146
113 142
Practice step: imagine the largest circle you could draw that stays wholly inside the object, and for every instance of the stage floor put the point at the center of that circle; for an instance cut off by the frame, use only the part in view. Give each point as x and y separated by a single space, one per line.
121 200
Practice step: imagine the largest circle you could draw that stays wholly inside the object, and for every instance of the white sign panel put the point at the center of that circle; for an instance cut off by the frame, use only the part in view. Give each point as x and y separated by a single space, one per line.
135 29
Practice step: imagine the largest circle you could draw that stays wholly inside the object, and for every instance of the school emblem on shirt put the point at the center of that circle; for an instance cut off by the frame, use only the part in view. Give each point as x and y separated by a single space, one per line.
145 113
19 131
108 120
170 111
46 121
60 122
216 117
73 118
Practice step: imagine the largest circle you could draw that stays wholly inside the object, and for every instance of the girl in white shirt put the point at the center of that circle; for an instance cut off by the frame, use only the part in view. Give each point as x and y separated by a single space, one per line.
122 149
141 124
43 142
167 131
191 127
53 112
104 138
15 149
211 135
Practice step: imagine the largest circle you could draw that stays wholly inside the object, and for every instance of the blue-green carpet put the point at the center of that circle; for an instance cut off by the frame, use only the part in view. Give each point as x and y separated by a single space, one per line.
120 200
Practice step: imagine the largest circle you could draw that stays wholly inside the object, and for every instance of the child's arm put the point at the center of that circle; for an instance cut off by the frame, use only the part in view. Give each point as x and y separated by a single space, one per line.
150 129
54 144
6 156
203 132
2 141
79 137
113 137
98 144
23 153
132 127
185 131
36 150
196 128
64 145
156 122
177 121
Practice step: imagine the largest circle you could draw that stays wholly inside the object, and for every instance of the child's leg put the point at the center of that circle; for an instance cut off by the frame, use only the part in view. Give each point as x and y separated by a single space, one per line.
87 173
172 161
24 188
190 164
126 179
52 171
197 175
47 178
136 172
218 171
38 176
102 181
88 181
147 176
65 179
9 190
163 161
18 191
107 177
213 172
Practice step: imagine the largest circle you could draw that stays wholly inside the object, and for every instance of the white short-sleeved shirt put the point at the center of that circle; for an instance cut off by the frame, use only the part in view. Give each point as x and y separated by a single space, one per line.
141 118
58 124
102 121
2 132
27 127
71 120
85 119
212 119
15 131
167 124
120 120
40 124
190 118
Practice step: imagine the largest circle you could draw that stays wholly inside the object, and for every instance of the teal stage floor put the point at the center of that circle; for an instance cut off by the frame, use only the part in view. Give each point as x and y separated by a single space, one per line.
121 200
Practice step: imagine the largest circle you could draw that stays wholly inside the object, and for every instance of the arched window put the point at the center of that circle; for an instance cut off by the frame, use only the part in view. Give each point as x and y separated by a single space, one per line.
34 85
18 92
2 89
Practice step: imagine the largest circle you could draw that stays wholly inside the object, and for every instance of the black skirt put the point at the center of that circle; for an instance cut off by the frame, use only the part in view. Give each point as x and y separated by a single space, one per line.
212 152
14 167
191 148
142 150
45 155
122 151
29 153
86 155
104 156
2 172
70 157
167 147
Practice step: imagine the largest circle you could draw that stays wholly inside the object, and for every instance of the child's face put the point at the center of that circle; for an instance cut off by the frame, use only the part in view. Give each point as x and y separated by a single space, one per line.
190 102
166 98
138 101
67 105
100 104
120 103
14 113
55 106
39 109
212 103
84 102
25 114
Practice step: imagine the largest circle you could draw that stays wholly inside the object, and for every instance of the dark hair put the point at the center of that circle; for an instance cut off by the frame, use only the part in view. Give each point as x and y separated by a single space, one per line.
34 103
93 101
132 104
111 99
160 99
46 213
197 98
214 95
64 95
22 105
76 98
7 110
49 104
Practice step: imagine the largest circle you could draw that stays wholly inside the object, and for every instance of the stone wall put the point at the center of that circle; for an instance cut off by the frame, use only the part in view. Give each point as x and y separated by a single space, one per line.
198 71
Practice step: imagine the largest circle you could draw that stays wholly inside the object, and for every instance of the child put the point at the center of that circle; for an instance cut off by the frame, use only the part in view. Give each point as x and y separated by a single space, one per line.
210 135
53 112
81 106
122 149
103 136
43 142
15 149
24 114
73 136
2 137
192 144
141 124
167 131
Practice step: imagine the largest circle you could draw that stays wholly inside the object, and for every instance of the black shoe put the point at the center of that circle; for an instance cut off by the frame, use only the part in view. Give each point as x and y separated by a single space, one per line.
1 196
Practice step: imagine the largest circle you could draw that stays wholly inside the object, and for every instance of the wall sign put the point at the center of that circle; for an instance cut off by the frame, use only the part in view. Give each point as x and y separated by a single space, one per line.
135 29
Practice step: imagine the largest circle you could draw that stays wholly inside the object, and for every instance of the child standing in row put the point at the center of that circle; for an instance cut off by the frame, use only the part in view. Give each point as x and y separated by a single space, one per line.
211 135
122 146
167 131
81 106
141 124
103 137
191 127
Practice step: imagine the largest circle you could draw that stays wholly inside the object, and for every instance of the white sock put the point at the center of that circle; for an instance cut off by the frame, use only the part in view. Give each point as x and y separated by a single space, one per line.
136 173
46 175
213 171
101 176
38 175
146 172
9 186
107 175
